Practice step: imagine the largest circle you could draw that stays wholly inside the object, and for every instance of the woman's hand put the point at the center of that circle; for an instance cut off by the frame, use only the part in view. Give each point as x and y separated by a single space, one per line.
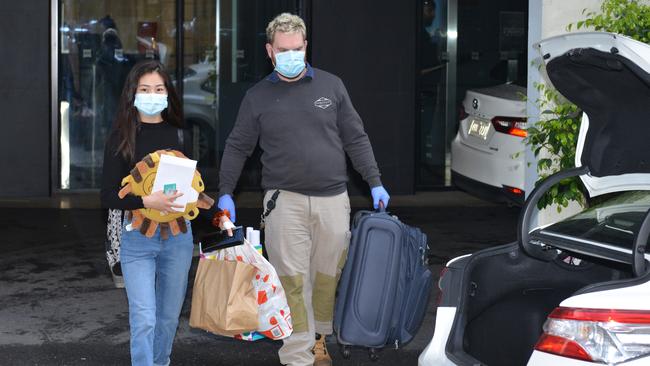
162 202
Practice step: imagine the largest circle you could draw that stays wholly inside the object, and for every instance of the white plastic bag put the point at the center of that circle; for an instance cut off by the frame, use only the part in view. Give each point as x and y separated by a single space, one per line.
274 314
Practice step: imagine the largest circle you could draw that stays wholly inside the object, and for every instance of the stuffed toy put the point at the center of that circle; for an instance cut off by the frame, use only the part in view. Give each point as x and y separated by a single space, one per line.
140 183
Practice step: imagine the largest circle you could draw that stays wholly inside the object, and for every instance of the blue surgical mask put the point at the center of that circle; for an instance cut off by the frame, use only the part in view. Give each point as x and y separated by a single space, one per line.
150 104
290 63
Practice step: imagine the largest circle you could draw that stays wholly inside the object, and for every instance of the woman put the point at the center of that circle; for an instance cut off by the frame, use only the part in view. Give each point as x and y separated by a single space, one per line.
155 270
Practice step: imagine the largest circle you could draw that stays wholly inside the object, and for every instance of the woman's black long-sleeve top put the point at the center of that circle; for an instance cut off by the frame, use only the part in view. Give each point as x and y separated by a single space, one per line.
149 138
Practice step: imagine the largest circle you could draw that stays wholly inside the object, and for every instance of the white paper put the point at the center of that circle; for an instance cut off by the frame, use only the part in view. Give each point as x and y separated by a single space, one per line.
179 171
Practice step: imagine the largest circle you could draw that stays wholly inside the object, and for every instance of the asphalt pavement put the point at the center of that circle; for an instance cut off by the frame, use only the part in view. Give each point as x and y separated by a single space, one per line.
58 305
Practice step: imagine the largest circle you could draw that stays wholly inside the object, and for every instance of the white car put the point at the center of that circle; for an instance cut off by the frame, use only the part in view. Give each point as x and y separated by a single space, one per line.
486 155
199 92
200 109
575 292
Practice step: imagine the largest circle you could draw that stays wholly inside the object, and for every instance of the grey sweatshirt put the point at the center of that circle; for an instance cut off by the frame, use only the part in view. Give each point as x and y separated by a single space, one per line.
304 128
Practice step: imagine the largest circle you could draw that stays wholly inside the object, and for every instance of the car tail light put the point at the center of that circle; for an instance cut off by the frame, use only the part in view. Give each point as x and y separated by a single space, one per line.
514 126
562 346
596 335
462 114
513 190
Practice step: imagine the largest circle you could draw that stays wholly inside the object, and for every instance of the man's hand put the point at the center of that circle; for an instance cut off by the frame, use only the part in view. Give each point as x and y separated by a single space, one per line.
226 203
379 194
226 224
162 202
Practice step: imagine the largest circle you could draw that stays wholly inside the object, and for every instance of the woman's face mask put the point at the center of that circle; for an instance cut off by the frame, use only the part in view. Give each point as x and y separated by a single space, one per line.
290 63
150 104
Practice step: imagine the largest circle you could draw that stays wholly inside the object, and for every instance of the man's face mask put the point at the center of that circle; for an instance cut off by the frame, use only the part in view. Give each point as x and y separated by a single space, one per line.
290 63
150 104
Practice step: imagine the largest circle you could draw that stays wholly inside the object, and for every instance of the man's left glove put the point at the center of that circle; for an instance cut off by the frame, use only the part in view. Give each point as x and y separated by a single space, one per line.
379 194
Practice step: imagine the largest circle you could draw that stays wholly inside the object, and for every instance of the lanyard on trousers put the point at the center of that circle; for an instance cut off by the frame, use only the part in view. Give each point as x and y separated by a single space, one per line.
269 207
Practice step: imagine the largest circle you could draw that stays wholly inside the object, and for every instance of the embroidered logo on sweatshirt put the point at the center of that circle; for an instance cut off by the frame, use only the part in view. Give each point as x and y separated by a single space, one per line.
322 103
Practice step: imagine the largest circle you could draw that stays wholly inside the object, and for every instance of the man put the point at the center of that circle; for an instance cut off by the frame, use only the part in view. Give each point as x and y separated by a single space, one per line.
305 123
430 38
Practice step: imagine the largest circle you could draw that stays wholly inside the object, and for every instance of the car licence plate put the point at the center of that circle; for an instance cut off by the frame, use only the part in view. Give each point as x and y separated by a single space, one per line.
479 129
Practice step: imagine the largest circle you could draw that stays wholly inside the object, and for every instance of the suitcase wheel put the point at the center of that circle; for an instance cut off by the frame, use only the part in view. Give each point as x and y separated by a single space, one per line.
372 353
345 351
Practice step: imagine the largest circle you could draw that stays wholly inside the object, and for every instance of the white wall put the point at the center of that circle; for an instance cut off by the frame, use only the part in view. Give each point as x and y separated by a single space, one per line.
557 14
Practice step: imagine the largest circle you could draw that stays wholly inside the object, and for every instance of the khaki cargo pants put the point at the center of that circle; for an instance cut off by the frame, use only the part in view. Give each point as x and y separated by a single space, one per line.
307 240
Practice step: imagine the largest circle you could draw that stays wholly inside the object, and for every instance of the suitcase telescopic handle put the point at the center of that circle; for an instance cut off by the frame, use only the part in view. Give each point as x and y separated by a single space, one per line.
381 207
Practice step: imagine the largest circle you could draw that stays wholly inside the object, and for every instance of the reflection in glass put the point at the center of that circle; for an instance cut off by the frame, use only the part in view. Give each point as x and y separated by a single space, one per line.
614 222
200 99
223 56
243 62
100 42
219 71
431 92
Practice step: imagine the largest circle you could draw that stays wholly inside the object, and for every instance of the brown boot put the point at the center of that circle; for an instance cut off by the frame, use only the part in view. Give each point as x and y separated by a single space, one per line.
321 356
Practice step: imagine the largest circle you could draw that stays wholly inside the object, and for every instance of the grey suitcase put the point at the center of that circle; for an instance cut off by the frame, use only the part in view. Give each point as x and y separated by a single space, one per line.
385 284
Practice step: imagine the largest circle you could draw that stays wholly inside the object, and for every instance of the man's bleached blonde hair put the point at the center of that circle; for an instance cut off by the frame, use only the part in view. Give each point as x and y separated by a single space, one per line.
285 23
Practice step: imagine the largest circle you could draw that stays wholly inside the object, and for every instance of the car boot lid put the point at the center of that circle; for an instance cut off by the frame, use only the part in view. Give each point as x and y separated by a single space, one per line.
635 297
505 100
608 77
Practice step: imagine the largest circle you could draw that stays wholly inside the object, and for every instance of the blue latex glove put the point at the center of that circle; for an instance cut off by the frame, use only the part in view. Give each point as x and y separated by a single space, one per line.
379 194
226 203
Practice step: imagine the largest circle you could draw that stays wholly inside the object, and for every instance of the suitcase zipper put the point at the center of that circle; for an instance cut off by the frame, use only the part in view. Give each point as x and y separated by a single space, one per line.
424 247
412 262
409 274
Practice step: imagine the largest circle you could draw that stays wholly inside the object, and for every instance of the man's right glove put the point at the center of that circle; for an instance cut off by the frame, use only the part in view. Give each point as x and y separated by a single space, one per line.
226 203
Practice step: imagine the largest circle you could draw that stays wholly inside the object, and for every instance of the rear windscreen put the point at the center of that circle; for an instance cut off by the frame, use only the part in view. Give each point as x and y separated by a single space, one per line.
614 222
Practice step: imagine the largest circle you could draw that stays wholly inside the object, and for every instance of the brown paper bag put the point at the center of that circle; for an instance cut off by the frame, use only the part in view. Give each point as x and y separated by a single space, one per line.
224 300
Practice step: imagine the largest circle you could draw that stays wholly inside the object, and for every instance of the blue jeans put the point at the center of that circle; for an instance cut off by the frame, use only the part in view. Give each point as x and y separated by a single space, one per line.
155 274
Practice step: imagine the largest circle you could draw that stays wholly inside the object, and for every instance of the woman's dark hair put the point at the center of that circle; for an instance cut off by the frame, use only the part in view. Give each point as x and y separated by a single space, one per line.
127 119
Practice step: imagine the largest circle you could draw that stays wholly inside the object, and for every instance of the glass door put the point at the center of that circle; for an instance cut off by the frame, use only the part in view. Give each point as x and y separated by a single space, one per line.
242 63
222 56
99 42
200 80
432 91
